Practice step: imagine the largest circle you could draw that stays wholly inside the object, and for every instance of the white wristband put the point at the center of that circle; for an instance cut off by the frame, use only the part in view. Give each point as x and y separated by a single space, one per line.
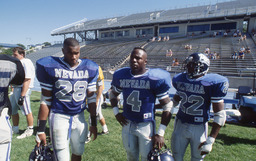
210 140
37 137
115 110
161 130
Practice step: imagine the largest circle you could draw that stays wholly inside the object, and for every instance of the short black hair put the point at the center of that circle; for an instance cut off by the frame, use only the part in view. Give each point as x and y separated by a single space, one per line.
139 48
70 42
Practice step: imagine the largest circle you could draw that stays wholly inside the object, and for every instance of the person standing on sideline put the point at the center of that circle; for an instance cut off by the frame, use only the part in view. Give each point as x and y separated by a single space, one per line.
140 87
196 91
66 83
20 99
11 71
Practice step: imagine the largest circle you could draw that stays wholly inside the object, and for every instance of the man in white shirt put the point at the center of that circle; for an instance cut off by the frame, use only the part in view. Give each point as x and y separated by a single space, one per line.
20 99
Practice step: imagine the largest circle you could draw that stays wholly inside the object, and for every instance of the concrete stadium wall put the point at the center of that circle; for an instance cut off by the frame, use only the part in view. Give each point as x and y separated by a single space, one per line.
235 82
252 24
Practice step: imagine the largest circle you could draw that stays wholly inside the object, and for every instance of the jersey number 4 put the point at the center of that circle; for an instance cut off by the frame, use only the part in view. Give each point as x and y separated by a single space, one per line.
66 88
133 100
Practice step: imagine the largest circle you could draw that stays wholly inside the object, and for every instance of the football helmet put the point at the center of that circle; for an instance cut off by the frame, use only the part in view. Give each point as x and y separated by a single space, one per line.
160 155
196 65
42 153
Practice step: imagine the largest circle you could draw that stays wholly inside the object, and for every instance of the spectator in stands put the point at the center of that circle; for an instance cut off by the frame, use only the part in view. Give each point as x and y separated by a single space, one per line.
212 55
235 34
164 38
152 39
248 50
167 38
169 53
239 34
214 34
188 47
240 39
217 55
220 32
225 34
241 54
159 38
20 99
244 37
175 62
242 49
168 68
207 50
234 55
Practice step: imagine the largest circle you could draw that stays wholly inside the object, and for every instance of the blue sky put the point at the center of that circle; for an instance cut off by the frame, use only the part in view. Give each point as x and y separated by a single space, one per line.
31 21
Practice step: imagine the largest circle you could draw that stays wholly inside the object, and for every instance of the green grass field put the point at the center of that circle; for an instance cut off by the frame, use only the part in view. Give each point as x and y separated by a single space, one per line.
234 143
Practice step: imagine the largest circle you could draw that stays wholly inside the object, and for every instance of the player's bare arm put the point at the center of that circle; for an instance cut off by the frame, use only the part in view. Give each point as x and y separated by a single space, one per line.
42 116
91 98
218 122
114 103
158 139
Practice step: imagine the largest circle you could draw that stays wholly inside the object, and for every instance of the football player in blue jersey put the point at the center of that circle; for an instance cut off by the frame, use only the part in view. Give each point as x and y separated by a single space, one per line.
196 92
11 72
140 87
66 82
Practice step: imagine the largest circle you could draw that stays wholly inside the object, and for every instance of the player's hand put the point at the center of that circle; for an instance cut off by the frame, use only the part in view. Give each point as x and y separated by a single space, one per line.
158 141
94 132
40 138
206 147
121 119
21 100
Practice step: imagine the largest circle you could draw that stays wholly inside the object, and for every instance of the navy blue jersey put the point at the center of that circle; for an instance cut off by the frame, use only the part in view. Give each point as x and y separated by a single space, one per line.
197 95
68 84
140 92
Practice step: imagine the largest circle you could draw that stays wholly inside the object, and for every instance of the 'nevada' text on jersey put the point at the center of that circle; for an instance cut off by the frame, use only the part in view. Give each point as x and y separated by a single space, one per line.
62 73
138 84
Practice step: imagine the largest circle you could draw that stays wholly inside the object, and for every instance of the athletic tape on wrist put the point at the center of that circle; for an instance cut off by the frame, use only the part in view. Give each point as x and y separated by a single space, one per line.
168 107
115 110
37 137
220 117
210 140
44 100
161 130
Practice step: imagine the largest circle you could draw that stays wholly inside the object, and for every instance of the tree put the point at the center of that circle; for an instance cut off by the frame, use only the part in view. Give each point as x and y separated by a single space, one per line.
5 51
47 44
21 45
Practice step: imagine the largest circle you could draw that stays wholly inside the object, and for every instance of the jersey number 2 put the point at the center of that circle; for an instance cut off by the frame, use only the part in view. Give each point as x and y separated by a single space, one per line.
193 109
64 94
